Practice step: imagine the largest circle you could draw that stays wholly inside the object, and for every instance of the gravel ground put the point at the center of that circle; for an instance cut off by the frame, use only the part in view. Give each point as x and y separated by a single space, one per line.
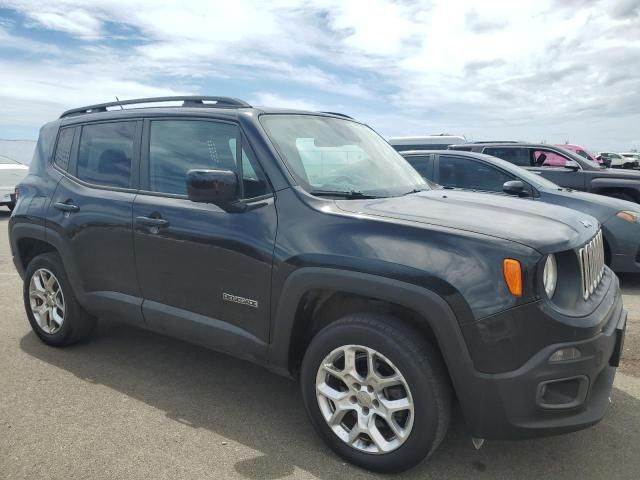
135 405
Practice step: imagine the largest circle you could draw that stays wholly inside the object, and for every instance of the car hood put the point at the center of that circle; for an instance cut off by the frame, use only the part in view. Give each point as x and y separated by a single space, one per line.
600 206
542 226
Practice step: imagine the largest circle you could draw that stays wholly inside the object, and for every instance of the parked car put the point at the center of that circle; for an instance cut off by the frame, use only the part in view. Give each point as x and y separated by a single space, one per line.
303 242
632 159
564 168
615 160
11 173
620 219
434 142
583 152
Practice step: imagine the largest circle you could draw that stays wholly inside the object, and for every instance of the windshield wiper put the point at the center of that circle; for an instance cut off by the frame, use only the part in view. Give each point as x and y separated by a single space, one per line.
349 195
415 190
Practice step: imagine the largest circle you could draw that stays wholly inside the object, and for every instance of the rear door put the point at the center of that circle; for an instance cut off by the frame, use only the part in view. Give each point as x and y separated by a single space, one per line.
205 273
91 212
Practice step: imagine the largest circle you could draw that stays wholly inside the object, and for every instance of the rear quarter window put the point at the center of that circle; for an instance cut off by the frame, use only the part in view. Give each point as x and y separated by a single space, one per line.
63 148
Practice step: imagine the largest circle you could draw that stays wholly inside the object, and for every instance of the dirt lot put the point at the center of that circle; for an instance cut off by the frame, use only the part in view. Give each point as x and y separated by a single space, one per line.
134 405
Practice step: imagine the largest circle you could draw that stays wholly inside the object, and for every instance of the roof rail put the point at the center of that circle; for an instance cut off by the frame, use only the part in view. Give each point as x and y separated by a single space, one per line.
187 101
339 115
497 141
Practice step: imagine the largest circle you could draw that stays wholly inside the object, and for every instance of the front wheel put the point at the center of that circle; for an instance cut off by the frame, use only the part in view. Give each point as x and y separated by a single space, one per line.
376 392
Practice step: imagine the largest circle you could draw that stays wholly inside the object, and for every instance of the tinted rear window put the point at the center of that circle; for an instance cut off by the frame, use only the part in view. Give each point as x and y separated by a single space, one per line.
517 156
105 154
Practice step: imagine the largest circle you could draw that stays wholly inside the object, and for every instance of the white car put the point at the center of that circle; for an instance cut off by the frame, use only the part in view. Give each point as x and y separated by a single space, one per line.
633 158
11 173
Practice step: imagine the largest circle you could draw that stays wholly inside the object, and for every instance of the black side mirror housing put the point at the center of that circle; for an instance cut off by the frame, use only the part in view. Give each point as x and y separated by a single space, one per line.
515 187
572 165
219 186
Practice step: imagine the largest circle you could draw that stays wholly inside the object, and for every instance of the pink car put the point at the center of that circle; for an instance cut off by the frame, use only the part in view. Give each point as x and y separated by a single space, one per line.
583 152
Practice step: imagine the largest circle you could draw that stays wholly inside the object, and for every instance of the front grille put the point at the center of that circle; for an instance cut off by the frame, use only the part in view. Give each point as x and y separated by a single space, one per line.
591 264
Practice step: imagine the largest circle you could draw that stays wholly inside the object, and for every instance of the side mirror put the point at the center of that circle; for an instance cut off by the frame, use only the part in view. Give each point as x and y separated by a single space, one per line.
572 165
220 187
515 187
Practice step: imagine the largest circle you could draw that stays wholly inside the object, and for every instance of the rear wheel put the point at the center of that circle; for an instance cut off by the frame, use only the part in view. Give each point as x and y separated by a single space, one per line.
376 392
53 311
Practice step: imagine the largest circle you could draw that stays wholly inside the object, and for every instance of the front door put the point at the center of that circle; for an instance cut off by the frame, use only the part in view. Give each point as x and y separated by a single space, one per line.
551 165
205 274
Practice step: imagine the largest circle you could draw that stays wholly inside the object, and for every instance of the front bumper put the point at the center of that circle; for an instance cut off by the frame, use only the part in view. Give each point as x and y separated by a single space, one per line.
540 398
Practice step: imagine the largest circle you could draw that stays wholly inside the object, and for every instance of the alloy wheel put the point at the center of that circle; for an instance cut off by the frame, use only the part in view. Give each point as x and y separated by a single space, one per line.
46 301
365 399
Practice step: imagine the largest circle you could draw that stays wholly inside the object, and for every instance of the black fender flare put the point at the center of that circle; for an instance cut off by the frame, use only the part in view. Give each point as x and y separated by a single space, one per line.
600 184
428 304
21 231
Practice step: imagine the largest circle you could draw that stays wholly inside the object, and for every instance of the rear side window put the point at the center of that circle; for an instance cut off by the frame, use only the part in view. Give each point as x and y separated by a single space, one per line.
63 148
177 146
105 154
423 164
517 156
471 174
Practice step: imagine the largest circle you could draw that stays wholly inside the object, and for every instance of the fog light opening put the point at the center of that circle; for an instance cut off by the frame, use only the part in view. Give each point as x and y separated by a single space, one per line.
565 355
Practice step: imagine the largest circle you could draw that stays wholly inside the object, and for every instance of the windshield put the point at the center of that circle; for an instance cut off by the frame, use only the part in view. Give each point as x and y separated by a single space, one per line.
328 154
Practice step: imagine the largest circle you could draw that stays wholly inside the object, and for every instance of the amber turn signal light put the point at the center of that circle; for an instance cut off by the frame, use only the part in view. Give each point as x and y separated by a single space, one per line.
513 276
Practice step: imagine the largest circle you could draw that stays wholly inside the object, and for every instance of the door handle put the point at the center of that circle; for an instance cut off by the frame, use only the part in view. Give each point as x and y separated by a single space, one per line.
66 207
152 222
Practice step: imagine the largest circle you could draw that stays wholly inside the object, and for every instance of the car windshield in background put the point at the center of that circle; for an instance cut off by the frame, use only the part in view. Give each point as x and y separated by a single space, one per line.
329 155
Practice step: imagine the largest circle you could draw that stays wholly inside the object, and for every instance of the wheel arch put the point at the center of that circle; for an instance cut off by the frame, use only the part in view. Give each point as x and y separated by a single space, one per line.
306 297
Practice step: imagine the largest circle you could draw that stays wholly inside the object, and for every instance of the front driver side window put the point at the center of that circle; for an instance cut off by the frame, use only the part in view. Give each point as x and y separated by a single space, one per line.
471 174
547 158
177 146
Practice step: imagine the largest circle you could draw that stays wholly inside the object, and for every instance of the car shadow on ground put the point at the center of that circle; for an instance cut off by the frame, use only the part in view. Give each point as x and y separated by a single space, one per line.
248 405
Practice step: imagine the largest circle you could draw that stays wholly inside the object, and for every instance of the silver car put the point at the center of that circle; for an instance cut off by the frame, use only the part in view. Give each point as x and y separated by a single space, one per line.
11 173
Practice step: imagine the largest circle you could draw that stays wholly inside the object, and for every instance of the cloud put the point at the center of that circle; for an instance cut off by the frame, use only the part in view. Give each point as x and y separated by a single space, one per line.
467 66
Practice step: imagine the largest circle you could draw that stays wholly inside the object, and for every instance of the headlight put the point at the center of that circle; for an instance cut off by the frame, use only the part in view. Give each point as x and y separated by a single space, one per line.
550 275
627 216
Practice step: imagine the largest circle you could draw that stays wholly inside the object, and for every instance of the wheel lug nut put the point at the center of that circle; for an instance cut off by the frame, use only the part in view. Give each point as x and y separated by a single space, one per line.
365 410
369 388
353 399
356 386
376 403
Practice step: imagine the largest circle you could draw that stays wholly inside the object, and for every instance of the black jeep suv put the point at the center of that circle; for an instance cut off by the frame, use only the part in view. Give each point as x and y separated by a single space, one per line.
303 242
563 167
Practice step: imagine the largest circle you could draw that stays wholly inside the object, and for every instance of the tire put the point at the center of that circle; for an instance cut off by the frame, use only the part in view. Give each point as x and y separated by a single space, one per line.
395 346
70 323
622 196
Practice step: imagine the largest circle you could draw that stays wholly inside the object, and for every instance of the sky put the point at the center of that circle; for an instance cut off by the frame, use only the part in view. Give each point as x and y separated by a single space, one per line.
553 71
